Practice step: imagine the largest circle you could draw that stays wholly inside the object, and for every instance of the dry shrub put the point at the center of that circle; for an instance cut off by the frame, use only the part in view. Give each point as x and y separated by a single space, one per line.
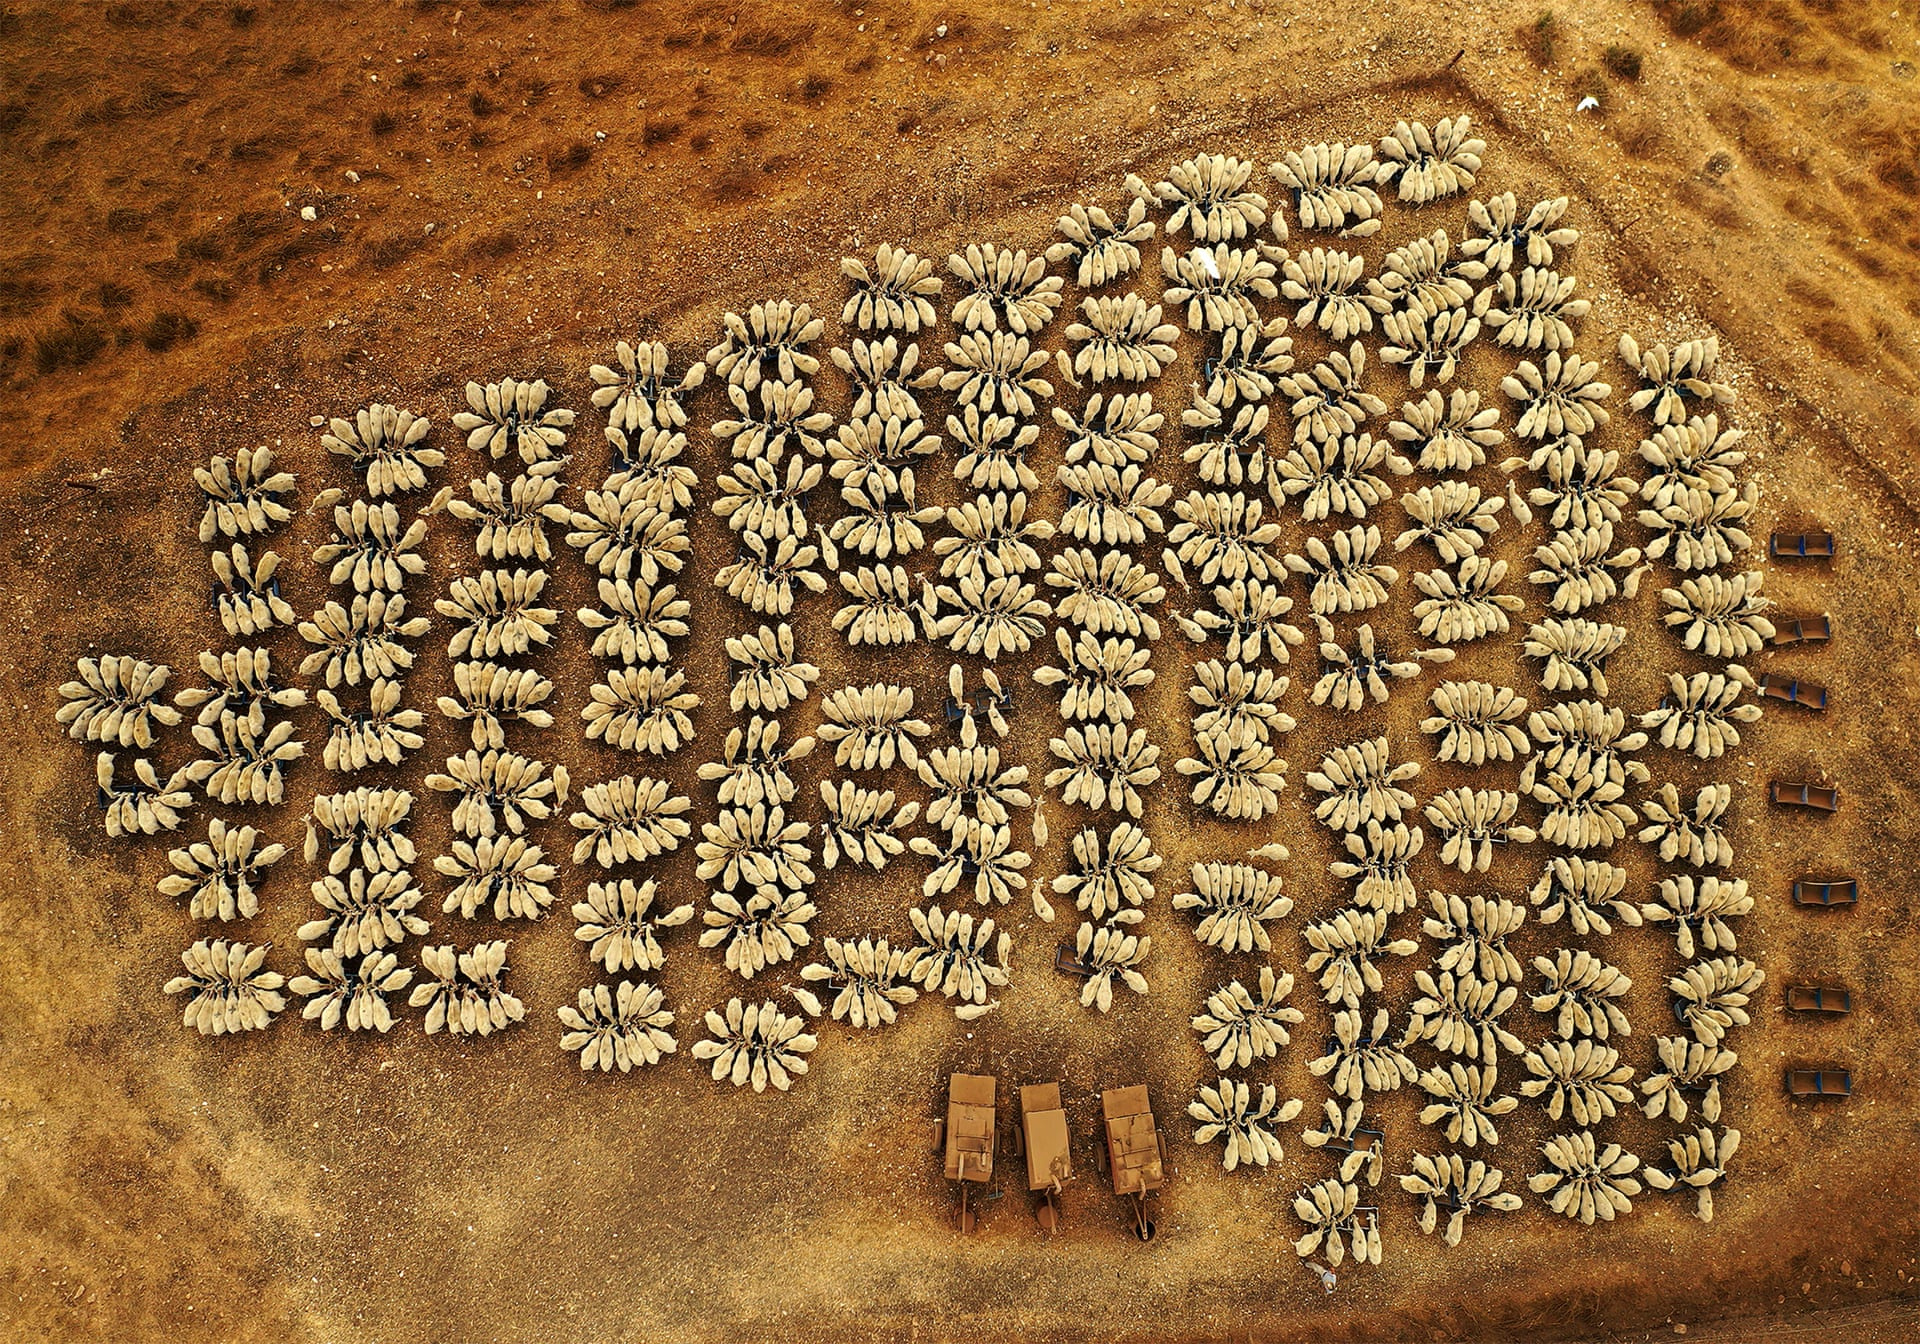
768 41
72 344
164 330
571 158
601 86
1541 37
660 132
1621 62
394 249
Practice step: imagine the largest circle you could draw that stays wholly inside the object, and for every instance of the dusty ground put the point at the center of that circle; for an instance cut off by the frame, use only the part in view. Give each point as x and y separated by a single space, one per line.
162 301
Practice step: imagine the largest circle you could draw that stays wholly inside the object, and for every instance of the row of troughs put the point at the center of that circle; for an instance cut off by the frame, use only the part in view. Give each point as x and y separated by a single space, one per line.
1221 552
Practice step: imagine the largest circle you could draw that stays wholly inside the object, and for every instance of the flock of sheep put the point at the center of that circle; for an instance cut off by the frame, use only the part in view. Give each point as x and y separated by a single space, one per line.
1086 594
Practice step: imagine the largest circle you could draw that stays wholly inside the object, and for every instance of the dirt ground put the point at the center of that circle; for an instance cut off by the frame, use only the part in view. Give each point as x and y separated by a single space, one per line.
507 189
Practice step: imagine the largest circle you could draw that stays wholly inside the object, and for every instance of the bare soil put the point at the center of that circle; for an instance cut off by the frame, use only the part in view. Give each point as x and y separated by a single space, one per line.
508 188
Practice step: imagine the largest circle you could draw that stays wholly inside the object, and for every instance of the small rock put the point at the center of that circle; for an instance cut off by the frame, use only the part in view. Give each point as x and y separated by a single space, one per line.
352 176
308 213
941 31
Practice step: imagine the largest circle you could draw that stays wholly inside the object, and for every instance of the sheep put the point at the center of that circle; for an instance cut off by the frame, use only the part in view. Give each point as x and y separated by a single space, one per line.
982 853
1110 593
1096 677
766 577
647 469
1111 953
874 453
769 674
1699 1163
246 759
248 599
885 375
1452 516
228 988
1229 453
774 334
1346 577
1475 930
1671 375
1246 616
498 788
1343 951
1463 1097
1476 722
1579 486
869 726
1580 989
489 695
1586 1181
1431 165
641 709
381 735
990 616
1583 1077
898 291
116 701
1574 651
757 1044
629 820
883 609
464 995
245 496
1114 506
1471 821
1504 237
1362 1057
1383 854
1115 430
1360 782
218 874
994 450
958 963
1242 1119
1323 283
1330 187
867 974
1706 906
1238 780
1460 1186
1686 1065
1575 735
1327 401
1462 607
1366 670
1452 433
620 925
1120 338
1692 456
496 613
641 393
759 929
1531 310
992 538
351 990
632 624
1701 529
1460 1014
1699 712
1105 766
512 518
1240 1026
1218 285
238 679
1424 343
1693 834
1584 810
1331 1210
997 284
967 780
784 418
995 369
1209 197
861 823
512 415
1100 250
1112 876
1711 997
1341 1125
624 531
1559 396
371 550
361 825
1585 892
626 1025
1238 703
1236 902
383 443
364 913
1722 617
1336 475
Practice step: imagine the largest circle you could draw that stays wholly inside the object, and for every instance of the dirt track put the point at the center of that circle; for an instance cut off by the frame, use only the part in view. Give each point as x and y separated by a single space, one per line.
1757 178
